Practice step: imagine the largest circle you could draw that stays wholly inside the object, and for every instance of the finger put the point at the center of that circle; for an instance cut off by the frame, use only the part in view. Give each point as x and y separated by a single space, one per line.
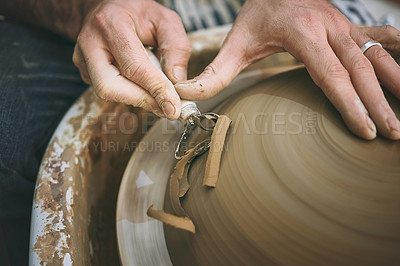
387 35
173 46
365 83
329 74
386 68
134 64
110 85
79 62
231 59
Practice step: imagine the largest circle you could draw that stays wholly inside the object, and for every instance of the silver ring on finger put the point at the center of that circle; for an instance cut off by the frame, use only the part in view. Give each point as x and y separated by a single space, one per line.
368 45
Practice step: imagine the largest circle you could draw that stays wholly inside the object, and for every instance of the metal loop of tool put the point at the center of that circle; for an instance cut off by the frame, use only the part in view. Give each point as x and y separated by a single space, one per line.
203 147
209 116
191 124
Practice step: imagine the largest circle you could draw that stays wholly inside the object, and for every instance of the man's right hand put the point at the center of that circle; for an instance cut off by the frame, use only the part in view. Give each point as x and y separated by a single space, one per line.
110 55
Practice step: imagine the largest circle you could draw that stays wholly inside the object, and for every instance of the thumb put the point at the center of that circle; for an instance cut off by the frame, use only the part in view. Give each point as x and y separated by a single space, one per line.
174 48
219 73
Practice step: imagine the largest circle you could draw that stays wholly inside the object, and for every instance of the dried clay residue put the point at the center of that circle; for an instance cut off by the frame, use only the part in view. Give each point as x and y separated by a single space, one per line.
54 242
74 206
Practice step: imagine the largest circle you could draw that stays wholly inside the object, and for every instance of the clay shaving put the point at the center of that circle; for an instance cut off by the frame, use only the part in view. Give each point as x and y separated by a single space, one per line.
179 222
178 183
177 177
215 152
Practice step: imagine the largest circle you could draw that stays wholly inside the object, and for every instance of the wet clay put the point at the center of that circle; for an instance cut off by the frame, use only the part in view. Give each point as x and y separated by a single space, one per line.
295 186
183 223
214 154
178 182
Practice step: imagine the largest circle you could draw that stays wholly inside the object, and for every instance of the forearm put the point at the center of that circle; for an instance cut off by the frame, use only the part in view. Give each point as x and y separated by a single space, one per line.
64 17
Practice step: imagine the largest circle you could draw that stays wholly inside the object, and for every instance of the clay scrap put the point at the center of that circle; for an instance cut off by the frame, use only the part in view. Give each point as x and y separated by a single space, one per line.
178 182
215 152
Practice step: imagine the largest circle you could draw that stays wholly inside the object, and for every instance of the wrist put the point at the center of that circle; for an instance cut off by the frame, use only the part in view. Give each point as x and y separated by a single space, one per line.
71 28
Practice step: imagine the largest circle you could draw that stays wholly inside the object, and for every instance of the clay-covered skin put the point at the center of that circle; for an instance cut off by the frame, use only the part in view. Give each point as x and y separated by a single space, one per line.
296 187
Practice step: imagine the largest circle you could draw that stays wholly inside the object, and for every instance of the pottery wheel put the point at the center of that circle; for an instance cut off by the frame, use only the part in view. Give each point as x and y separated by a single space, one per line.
296 187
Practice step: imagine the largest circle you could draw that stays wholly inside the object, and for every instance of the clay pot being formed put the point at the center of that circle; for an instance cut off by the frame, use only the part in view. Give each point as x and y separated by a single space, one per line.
296 187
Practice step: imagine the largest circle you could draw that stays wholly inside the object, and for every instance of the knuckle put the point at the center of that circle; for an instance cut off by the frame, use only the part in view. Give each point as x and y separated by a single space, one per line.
102 90
334 17
81 39
361 64
380 54
312 45
137 73
84 42
76 59
347 43
182 47
331 16
158 92
211 71
336 70
331 73
169 17
140 102
391 30
308 23
104 16
100 18
133 70
172 16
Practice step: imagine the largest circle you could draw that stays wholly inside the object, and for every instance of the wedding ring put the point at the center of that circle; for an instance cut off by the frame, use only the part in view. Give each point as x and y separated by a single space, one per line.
368 45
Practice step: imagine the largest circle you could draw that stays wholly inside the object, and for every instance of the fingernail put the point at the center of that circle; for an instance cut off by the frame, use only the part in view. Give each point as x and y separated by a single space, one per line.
371 126
179 73
187 85
168 109
394 124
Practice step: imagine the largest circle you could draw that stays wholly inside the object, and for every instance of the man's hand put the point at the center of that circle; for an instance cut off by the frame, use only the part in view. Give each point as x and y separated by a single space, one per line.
329 45
110 55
